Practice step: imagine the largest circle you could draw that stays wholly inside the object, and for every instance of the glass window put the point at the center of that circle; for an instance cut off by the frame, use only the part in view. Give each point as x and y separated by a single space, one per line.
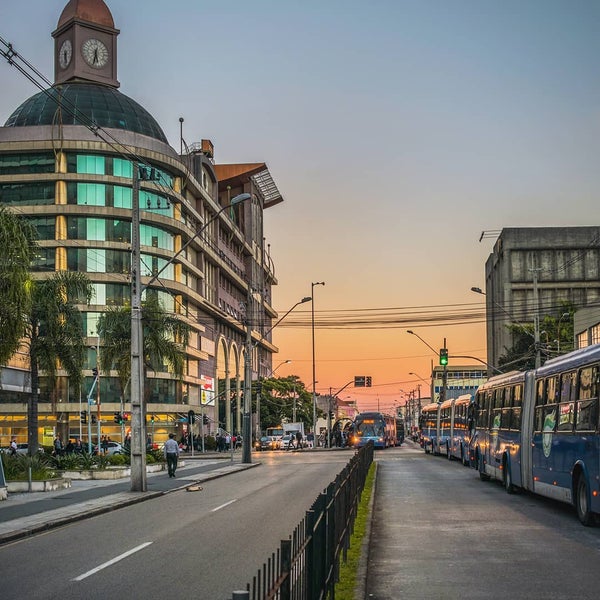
91 164
568 388
155 203
122 197
540 397
96 229
118 261
45 227
517 395
45 260
152 265
21 194
17 164
153 236
551 390
90 323
587 378
566 417
91 194
99 293
122 168
117 295
96 261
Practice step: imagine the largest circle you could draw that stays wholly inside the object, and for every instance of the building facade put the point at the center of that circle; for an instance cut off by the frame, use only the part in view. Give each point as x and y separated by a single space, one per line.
68 156
538 270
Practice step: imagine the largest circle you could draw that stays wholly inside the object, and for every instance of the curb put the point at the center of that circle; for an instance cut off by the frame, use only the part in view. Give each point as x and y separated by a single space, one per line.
362 571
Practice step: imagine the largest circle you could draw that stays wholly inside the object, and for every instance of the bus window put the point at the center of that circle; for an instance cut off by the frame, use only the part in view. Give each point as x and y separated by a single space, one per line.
506 411
568 389
540 399
516 411
587 405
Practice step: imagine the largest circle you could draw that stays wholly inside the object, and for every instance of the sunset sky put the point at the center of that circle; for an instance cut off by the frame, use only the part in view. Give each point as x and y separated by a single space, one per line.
396 130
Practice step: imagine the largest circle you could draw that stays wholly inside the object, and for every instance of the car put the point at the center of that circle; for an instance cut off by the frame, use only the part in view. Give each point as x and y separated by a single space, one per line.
112 448
288 442
267 442
21 449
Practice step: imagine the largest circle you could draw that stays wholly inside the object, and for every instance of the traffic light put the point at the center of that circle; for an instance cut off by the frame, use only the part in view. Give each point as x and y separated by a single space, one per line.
118 418
83 416
368 381
443 356
205 419
95 372
191 416
94 420
125 417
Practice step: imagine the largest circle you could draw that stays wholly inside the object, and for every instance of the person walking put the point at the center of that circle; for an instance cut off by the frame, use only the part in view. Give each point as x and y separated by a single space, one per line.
13 447
171 454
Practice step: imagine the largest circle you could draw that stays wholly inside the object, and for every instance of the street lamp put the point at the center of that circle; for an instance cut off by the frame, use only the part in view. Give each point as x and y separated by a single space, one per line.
247 430
436 352
138 425
314 375
565 314
417 375
444 372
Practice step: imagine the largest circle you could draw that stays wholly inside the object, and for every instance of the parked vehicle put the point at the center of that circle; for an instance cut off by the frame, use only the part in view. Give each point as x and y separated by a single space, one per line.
267 442
112 448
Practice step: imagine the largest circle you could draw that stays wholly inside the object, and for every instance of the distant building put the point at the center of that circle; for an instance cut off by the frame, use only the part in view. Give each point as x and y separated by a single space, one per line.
587 326
565 261
67 159
459 380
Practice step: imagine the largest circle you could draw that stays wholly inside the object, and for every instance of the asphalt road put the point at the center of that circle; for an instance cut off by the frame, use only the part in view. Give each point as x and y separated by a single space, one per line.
439 532
201 544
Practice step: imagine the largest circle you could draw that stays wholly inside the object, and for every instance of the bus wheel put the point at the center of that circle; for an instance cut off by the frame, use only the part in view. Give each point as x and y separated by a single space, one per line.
507 479
482 474
586 516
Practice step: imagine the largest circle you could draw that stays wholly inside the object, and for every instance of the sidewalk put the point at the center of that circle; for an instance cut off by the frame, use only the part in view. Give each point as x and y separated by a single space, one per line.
24 514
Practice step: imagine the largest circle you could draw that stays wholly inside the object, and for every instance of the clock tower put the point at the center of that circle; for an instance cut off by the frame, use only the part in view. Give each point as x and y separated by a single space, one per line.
85 44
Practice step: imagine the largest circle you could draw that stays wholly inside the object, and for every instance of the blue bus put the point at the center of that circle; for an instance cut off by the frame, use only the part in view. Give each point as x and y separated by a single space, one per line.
429 423
539 430
455 428
376 427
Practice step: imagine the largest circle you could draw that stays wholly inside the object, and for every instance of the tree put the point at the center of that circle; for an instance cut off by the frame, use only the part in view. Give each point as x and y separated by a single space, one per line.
556 336
55 336
18 243
277 401
165 338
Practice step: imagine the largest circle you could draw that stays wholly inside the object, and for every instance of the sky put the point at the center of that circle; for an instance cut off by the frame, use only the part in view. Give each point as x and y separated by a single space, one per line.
397 131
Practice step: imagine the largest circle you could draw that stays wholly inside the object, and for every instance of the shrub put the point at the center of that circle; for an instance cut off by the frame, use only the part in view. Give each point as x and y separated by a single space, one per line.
16 468
117 460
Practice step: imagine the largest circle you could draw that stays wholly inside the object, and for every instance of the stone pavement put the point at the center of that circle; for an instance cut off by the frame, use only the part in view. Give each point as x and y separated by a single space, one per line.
24 514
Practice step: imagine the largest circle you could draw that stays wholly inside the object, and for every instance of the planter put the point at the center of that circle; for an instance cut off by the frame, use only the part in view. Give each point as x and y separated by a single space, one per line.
110 473
44 485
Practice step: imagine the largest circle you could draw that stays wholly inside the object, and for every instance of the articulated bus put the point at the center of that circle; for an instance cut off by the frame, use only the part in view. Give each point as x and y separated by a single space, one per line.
376 427
456 420
539 430
429 423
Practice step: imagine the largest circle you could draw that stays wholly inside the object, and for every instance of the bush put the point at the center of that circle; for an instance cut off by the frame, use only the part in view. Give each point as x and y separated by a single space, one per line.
118 460
16 468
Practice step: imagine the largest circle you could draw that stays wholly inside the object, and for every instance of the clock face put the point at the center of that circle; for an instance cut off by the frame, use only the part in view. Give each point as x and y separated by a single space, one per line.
95 53
65 54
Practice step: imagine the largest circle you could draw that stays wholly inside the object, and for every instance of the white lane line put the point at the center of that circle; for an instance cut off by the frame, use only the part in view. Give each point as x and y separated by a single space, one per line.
113 561
224 505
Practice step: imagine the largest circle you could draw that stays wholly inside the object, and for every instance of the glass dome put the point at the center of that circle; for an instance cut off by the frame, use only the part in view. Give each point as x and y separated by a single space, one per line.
80 102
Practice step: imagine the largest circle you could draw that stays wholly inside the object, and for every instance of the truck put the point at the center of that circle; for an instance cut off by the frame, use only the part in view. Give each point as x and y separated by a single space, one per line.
292 428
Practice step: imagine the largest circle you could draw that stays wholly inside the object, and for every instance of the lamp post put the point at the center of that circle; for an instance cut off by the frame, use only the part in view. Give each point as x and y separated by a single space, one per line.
138 425
444 372
247 430
565 314
314 372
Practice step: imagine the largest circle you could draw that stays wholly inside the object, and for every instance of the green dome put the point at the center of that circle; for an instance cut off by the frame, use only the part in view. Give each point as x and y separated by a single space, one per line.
83 103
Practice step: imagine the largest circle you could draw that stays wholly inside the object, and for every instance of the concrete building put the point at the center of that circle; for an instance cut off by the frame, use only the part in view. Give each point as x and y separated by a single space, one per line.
67 160
460 380
556 265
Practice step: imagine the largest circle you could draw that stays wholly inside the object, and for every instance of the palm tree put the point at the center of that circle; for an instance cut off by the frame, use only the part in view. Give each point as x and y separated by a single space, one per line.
17 240
55 336
165 338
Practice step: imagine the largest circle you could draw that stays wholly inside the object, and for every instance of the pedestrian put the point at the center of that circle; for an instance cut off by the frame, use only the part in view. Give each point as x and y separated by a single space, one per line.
104 444
58 447
78 447
171 454
298 439
13 446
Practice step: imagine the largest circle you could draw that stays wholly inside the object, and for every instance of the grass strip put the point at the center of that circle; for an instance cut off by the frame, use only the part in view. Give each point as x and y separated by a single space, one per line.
345 587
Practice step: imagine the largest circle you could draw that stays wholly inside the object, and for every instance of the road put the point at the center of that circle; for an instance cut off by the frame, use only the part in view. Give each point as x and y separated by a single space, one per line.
201 544
439 532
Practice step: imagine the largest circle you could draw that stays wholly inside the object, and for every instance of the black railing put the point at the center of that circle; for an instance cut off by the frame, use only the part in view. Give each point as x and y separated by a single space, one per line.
306 566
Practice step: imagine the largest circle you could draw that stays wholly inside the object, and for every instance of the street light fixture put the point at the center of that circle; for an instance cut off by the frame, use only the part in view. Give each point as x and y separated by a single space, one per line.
314 376
138 425
417 335
445 364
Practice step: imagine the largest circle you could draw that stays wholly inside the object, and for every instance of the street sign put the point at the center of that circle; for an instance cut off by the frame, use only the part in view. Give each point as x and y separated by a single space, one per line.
360 381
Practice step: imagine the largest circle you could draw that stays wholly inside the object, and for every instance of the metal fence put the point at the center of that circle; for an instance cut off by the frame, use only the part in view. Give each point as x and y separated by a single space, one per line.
305 567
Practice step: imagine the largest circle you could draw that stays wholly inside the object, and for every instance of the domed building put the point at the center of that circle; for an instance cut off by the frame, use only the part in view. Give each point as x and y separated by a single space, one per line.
75 159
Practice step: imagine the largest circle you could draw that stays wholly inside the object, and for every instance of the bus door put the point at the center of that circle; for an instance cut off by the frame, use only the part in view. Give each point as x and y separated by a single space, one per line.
544 436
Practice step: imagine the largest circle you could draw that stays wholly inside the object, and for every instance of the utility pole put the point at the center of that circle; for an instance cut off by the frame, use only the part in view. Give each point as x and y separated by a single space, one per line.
138 450
536 319
246 429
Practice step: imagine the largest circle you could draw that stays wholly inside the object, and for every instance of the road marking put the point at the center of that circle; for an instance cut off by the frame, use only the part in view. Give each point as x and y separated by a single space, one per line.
224 505
113 561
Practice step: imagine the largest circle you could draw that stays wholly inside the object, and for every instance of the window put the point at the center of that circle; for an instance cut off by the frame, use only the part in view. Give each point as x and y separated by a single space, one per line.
45 227
153 236
587 406
21 194
91 164
91 194
122 197
568 388
122 168
96 229
96 261
17 164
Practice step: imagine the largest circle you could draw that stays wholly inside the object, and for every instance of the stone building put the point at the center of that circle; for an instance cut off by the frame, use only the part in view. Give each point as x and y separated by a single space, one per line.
538 270
67 159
